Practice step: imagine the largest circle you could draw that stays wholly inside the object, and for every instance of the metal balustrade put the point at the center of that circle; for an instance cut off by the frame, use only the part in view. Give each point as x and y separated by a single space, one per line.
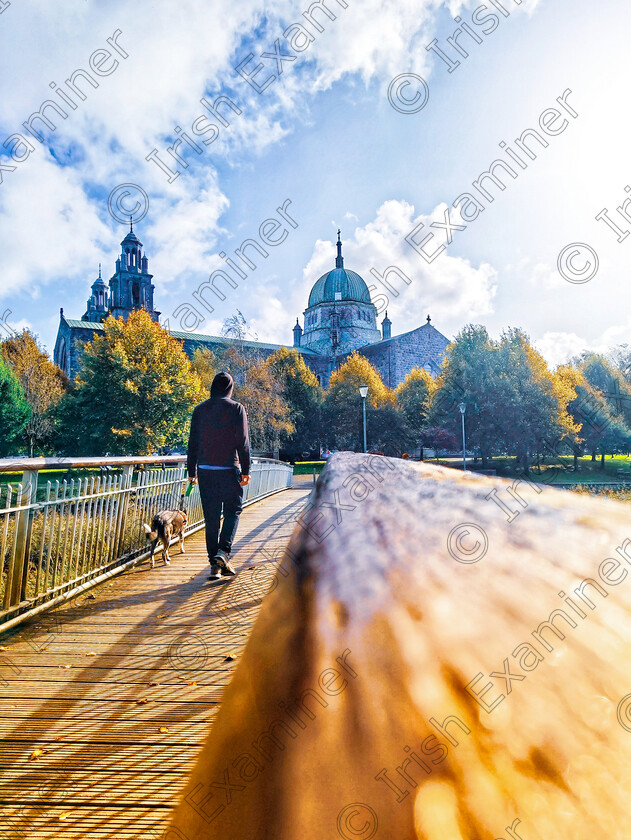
60 536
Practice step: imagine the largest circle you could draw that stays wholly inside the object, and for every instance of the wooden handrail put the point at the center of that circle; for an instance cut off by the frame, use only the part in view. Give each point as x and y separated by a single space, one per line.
442 655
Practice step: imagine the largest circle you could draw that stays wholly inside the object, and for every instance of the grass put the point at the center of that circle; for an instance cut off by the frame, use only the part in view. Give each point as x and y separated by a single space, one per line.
307 467
559 470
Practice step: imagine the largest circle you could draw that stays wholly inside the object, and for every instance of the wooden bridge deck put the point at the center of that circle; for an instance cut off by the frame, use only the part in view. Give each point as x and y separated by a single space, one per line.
106 701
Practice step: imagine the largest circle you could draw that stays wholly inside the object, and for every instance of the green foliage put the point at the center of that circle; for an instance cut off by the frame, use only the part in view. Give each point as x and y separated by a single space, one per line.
514 403
43 383
602 406
15 411
413 397
387 429
134 393
302 394
342 410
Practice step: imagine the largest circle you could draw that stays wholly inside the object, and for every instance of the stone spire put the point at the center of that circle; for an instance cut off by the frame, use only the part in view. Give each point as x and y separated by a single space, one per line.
339 260
386 327
297 334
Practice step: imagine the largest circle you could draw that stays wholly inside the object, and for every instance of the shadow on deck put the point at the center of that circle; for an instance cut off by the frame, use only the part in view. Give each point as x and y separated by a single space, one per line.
106 701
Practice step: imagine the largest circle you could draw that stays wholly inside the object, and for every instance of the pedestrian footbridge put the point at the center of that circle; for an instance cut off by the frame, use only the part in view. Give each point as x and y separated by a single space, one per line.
406 653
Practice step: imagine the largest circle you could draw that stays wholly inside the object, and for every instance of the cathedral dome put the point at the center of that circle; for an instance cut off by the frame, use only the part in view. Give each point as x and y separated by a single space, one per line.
347 283
350 285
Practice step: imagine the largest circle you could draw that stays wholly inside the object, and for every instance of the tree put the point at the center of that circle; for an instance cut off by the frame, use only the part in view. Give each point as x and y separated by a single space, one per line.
15 411
413 397
269 416
343 405
134 392
469 375
602 406
534 419
514 403
303 395
234 358
204 364
43 383
388 431
436 438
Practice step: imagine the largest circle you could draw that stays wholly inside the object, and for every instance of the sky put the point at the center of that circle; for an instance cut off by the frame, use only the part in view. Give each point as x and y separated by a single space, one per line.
337 133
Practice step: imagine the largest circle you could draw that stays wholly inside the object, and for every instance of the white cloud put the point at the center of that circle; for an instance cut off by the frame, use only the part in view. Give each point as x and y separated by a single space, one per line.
450 289
559 347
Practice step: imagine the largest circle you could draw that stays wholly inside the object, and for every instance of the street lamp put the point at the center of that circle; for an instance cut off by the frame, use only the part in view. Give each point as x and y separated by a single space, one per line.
363 390
463 407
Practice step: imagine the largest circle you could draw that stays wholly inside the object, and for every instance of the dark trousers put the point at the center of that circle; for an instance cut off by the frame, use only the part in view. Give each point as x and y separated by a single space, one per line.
220 492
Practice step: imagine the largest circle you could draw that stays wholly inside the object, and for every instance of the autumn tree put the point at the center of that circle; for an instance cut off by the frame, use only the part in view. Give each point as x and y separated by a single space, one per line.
269 416
43 383
342 413
302 393
204 364
134 392
602 406
514 403
534 417
15 411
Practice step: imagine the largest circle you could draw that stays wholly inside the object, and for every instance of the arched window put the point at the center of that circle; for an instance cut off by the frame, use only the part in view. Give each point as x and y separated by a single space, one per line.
63 356
135 293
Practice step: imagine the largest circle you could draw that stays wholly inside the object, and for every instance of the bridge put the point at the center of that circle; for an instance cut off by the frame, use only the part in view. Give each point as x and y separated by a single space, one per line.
111 672
408 652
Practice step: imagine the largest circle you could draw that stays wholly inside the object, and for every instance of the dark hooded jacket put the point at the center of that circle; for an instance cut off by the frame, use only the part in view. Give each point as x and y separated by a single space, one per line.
219 430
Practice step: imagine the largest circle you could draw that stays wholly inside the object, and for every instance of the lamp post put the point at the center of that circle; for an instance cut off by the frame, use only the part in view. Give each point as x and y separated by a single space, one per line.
363 390
463 407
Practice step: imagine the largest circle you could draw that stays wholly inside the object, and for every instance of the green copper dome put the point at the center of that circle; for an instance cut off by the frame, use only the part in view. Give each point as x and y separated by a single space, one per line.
348 284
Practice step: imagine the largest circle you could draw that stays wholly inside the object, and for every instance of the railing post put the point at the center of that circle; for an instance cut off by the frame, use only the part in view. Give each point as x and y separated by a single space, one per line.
23 532
121 520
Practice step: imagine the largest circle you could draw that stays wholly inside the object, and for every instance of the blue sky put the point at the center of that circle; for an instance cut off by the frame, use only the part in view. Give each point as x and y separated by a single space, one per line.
325 136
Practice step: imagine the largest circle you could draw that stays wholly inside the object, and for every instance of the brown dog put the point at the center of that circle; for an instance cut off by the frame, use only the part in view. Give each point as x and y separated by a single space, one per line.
166 525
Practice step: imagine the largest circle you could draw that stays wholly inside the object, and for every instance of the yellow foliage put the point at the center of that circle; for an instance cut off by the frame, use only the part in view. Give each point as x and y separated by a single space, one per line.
357 371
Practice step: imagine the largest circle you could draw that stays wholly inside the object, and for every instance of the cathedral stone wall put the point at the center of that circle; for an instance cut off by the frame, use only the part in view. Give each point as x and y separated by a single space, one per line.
353 321
395 358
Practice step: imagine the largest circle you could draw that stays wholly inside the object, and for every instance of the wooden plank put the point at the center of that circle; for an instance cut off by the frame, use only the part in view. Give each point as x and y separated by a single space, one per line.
105 766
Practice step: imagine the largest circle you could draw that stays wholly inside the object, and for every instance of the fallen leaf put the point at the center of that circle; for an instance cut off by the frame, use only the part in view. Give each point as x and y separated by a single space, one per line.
90 597
67 666
164 615
191 683
142 702
92 653
64 816
59 738
3 647
229 658
35 754
152 684
163 729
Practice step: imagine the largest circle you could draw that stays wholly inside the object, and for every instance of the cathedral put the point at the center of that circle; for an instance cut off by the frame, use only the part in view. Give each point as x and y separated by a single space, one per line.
340 317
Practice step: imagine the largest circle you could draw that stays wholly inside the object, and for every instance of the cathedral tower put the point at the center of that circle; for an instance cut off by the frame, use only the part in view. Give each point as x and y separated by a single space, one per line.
130 286
98 302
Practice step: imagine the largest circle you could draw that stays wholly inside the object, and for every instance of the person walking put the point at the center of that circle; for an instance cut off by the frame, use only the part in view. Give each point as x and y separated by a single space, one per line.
218 444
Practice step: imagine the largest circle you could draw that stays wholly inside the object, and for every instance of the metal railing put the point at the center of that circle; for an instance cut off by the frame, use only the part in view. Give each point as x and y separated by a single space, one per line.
61 534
